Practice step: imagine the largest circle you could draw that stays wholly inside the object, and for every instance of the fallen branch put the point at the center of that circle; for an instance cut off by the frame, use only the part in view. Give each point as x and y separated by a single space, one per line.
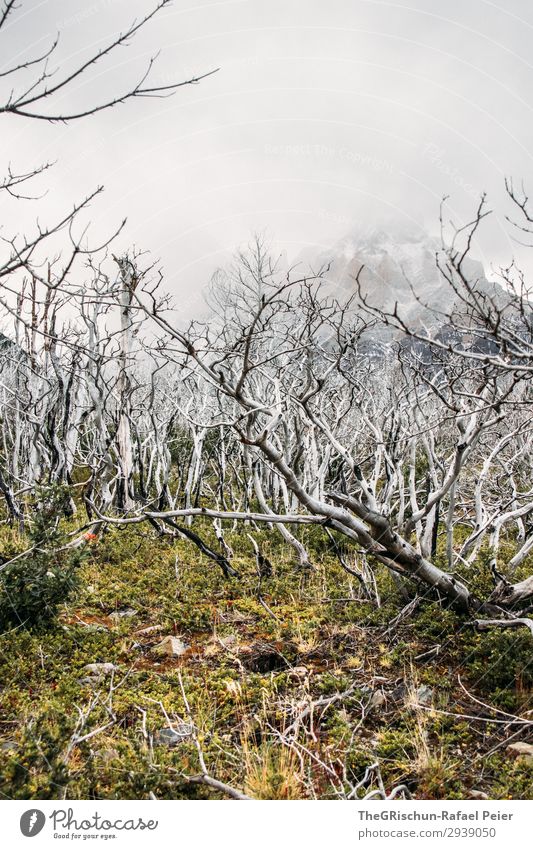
487 624
518 721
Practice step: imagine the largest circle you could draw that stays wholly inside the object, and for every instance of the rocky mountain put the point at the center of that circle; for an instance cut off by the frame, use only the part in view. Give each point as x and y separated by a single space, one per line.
398 267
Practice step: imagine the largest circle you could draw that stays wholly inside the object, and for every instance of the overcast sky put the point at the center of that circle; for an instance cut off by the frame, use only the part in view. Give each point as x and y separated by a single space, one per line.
325 115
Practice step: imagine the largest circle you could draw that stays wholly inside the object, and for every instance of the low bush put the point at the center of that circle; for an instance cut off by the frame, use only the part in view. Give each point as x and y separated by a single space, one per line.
33 586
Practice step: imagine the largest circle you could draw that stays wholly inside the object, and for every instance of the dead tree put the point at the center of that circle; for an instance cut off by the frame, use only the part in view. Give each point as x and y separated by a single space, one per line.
44 394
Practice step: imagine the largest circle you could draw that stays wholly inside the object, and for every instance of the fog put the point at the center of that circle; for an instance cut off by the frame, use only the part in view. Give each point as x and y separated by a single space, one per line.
323 117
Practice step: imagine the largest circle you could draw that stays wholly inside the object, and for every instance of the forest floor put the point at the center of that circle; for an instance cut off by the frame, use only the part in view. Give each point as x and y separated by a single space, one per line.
291 695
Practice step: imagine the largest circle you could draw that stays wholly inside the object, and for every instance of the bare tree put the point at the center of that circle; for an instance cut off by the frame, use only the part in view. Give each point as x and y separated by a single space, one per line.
32 93
44 383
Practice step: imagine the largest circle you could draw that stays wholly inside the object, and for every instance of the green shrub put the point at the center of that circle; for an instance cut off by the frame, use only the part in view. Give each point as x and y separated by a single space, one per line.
500 664
33 587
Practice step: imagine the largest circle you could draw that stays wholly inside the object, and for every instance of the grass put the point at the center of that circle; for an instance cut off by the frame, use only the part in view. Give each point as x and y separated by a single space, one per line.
247 676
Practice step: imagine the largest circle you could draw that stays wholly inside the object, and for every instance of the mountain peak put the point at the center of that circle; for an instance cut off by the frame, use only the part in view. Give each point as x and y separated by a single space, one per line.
396 264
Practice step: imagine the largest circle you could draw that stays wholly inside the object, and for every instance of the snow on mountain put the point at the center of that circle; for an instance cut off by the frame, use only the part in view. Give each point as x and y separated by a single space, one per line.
398 267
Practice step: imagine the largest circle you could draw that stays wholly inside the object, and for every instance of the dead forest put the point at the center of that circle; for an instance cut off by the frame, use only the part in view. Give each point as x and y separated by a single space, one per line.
281 550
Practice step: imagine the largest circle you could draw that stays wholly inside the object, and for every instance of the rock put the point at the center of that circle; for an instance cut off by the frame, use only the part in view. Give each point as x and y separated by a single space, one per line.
394 264
377 700
521 750
299 672
477 794
424 695
172 646
8 746
151 629
100 669
124 613
173 736
229 641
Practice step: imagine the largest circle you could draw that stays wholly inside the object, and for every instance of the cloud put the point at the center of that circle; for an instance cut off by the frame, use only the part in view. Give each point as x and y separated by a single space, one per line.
322 114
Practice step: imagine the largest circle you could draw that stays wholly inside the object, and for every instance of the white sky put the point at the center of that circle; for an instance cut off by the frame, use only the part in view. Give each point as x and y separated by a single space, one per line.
325 114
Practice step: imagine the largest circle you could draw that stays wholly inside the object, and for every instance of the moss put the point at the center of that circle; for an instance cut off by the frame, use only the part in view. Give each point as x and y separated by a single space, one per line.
395 745
511 780
432 625
320 645
501 664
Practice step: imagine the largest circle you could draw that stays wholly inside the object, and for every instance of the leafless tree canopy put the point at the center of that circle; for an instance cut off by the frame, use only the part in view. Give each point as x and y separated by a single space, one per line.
277 411
32 90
